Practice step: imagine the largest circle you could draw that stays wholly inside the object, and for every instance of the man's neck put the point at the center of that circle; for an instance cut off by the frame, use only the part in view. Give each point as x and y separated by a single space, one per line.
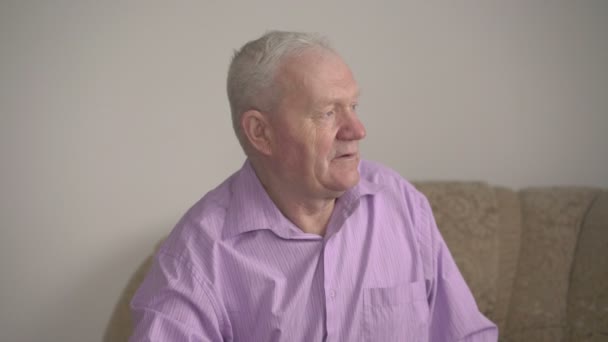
311 215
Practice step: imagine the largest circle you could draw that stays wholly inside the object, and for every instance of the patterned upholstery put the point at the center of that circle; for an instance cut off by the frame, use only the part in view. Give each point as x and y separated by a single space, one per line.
509 237
518 251
552 220
467 217
588 294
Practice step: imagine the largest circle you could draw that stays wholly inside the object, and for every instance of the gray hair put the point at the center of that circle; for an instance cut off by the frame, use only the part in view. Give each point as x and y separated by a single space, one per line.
253 69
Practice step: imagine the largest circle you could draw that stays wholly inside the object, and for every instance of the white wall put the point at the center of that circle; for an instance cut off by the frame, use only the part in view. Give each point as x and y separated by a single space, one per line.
114 121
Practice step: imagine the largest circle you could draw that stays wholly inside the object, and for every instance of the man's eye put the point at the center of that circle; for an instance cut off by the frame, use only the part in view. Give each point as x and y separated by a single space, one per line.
354 106
330 113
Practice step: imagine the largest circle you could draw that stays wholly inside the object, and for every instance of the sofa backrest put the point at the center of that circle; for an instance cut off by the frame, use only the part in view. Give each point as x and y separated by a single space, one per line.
467 216
509 242
552 218
587 309
521 256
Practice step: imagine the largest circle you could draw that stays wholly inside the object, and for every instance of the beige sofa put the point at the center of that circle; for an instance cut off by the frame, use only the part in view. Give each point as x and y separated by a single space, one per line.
536 259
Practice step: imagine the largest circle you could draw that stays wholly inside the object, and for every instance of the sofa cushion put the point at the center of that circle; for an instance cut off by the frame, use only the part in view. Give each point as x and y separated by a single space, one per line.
509 240
467 216
551 222
588 294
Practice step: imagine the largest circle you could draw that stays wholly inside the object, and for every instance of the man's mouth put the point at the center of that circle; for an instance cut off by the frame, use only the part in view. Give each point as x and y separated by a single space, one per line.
346 155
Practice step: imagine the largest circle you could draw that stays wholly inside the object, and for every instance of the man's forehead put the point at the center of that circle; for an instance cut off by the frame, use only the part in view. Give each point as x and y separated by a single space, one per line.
315 62
318 68
338 94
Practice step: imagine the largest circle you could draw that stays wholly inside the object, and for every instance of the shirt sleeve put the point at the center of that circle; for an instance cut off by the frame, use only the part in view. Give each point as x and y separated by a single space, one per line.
454 315
173 304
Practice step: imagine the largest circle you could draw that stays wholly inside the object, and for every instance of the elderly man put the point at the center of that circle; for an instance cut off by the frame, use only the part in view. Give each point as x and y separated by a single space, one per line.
306 242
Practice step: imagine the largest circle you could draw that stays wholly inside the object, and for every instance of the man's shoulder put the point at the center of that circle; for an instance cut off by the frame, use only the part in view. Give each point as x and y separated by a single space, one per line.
202 223
213 204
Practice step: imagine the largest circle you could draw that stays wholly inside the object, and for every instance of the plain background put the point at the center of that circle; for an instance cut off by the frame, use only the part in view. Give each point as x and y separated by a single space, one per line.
114 121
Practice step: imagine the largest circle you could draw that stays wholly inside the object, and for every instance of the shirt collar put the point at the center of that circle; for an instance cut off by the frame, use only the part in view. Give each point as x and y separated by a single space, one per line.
252 209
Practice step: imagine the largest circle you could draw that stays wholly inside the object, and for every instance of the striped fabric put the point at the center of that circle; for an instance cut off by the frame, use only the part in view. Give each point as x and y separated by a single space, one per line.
235 269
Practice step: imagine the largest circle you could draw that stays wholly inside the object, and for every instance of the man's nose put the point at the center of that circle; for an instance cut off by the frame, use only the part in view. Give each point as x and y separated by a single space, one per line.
352 128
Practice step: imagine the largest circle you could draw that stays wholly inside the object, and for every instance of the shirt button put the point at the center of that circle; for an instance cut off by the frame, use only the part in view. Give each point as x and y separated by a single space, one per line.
332 294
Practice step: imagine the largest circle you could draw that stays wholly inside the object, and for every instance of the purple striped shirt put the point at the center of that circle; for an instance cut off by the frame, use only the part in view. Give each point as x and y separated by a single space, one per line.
235 269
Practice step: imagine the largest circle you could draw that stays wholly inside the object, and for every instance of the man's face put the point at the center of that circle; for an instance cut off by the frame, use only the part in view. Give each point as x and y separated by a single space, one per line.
315 126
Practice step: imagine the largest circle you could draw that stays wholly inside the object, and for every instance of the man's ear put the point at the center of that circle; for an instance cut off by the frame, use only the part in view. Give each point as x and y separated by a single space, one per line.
256 128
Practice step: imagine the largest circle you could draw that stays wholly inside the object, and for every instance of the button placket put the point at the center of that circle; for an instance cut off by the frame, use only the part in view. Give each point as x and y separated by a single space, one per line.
330 292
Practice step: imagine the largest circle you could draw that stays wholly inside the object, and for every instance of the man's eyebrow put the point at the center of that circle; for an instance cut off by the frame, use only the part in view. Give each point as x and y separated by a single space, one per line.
331 100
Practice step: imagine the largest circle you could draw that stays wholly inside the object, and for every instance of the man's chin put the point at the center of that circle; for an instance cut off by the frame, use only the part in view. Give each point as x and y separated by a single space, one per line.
343 182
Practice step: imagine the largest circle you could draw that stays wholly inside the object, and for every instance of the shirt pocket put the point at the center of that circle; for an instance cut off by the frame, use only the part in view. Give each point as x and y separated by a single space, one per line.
399 313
